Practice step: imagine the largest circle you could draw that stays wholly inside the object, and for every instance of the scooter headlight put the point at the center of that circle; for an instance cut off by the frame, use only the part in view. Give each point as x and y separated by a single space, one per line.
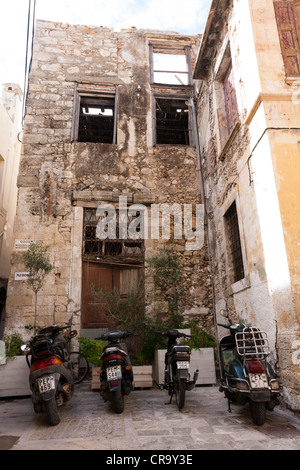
274 385
241 385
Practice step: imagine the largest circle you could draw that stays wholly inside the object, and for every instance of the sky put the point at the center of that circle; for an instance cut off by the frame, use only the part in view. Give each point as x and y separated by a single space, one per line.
181 16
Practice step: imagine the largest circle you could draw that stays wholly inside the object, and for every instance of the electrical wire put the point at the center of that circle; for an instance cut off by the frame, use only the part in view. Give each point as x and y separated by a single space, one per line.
31 13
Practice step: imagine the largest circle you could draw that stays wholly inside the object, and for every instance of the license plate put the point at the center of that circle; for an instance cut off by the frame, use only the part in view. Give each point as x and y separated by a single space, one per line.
46 383
114 373
183 364
258 381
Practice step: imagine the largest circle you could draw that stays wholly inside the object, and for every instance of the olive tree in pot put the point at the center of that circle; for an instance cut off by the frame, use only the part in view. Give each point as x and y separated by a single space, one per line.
36 260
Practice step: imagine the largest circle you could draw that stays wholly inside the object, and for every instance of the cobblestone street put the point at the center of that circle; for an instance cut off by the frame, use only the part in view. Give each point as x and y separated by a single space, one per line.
148 423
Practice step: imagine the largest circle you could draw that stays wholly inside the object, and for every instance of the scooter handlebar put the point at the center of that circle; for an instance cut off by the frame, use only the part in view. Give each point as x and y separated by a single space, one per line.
224 325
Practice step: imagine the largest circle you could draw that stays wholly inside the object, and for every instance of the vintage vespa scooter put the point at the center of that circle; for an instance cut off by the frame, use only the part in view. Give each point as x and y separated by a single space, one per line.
246 375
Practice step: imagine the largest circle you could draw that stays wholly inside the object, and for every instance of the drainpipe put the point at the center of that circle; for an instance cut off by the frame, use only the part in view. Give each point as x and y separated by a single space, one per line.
200 175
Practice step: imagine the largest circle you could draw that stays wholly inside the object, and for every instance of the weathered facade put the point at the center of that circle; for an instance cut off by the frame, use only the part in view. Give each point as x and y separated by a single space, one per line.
10 107
248 117
104 120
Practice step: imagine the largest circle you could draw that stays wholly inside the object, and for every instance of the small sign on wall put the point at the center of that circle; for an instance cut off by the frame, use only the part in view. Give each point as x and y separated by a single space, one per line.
22 244
21 276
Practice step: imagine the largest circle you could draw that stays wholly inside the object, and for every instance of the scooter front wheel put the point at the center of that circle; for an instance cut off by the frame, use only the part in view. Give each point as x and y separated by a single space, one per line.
258 412
52 412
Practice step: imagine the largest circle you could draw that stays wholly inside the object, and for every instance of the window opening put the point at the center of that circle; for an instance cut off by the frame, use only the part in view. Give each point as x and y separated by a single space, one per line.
170 69
230 100
172 121
96 248
233 233
96 119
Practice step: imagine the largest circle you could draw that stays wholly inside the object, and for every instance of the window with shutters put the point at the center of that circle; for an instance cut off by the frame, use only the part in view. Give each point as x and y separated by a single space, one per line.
227 113
287 17
236 264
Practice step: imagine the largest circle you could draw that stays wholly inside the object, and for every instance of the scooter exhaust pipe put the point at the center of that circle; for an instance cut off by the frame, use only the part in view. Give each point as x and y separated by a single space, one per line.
191 384
196 373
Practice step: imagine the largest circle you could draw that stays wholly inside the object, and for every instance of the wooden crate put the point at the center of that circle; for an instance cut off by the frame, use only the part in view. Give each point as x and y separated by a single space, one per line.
95 378
143 377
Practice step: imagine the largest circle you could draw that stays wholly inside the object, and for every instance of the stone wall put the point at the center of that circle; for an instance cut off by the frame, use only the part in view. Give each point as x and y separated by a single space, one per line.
59 177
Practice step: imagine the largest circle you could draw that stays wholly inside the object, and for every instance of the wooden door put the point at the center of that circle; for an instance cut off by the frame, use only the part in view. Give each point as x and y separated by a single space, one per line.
108 277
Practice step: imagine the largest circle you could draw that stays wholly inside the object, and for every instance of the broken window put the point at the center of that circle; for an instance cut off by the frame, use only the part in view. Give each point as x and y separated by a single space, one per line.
95 248
173 121
234 243
288 20
170 66
95 117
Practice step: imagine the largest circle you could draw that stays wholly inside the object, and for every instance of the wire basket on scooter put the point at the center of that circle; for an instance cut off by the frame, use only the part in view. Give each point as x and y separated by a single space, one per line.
252 343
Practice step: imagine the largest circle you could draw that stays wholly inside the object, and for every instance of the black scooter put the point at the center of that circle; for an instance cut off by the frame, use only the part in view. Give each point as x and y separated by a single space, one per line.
177 362
51 376
116 375
246 375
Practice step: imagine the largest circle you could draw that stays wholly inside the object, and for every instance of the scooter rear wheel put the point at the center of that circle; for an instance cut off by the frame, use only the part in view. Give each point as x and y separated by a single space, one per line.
52 412
258 412
180 392
117 401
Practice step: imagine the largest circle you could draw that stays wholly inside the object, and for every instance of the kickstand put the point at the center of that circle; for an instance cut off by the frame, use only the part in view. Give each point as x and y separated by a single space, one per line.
169 402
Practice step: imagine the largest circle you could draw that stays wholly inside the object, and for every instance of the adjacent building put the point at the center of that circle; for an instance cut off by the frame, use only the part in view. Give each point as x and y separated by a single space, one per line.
248 113
10 113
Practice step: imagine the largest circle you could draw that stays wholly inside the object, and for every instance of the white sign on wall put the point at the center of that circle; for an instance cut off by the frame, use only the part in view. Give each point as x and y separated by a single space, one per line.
22 244
21 276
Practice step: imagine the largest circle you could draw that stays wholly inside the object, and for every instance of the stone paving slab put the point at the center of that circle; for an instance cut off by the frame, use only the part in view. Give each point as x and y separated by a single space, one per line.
148 423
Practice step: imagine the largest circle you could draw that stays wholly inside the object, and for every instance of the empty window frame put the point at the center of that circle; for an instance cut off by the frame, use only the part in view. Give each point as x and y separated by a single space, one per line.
170 67
172 121
95 118
234 243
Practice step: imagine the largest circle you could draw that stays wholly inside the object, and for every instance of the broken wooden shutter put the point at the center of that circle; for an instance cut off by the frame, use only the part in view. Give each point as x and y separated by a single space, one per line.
116 116
151 63
76 112
230 100
287 29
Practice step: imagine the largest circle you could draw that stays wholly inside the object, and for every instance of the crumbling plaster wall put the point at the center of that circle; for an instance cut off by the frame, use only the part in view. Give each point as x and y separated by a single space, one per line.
58 177
253 169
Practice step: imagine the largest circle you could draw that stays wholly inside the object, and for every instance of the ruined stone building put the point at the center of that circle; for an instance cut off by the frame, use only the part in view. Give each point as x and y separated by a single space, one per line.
10 111
110 121
248 111
106 124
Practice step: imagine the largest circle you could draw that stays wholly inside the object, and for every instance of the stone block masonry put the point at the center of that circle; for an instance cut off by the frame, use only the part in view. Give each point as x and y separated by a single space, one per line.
61 177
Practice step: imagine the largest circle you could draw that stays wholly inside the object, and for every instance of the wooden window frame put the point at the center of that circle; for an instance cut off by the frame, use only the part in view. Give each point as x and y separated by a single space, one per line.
89 93
186 51
287 14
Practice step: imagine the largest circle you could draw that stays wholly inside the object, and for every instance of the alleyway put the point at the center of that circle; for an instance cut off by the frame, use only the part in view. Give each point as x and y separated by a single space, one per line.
147 423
